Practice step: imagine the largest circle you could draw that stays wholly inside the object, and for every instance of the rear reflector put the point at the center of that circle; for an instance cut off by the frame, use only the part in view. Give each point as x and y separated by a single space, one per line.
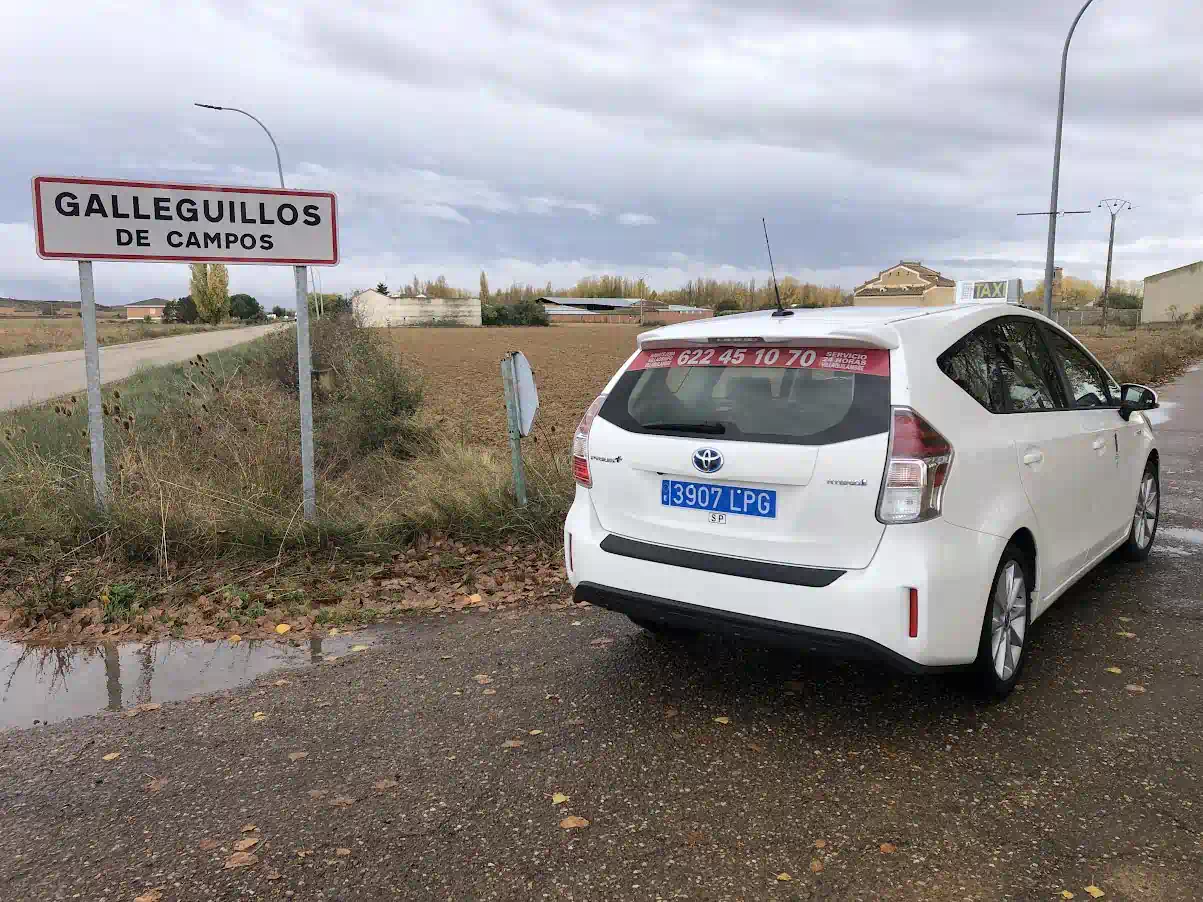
916 470
570 567
580 444
913 632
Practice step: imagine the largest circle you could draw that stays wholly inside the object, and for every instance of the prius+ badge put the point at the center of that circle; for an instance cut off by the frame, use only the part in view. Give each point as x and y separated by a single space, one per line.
707 460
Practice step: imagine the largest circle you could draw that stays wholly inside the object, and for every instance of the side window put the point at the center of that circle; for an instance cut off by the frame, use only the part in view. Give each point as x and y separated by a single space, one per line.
1084 379
1030 380
972 363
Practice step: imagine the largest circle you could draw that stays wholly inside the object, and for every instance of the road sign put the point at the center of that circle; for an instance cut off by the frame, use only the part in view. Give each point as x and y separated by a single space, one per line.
528 395
107 219
990 291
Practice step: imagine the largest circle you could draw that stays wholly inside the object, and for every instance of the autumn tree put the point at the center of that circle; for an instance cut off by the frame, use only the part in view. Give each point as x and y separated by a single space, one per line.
210 291
484 287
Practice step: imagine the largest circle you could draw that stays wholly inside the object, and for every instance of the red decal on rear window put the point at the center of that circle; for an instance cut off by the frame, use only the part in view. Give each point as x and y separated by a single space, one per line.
869 361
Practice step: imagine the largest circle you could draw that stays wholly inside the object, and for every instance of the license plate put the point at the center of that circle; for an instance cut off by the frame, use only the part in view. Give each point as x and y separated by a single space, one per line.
723 499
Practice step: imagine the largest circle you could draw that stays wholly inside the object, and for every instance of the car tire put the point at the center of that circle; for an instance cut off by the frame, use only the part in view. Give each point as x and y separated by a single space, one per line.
1006 624
662 630
1145 518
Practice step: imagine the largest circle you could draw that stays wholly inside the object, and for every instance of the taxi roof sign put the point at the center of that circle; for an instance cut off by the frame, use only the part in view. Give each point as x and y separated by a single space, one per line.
990 291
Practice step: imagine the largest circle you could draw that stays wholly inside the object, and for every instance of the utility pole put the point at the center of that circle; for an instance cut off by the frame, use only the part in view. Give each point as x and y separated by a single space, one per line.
1114 206
1052 206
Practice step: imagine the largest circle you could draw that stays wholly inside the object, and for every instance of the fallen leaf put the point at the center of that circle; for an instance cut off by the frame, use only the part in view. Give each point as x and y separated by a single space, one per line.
1066 894
150 706
1125 620
445 657
343 801
815 865
330 659
1114 670
602 642
670 711
1094 892
359 648
483 678
535 733
297 756
820 844
888 848
575 722
722 720
552 697
240 860
153 895
1126 635
512 744
333 631
283 628
558 798
793 685
244 845
474 598
693 837
273 875
156 785
248 828
489 692
234 637
384 784
258 715
318 793
784 877
208 845
1135 687
571 823
111 756
342 853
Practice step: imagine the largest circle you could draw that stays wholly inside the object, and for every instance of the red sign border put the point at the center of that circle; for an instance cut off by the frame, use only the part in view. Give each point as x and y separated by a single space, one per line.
40 239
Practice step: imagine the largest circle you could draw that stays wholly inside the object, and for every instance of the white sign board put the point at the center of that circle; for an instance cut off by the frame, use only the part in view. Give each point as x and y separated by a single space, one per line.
528 395
990 291
106 219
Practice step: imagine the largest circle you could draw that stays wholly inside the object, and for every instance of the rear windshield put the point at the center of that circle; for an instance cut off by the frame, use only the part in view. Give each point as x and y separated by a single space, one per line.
798 396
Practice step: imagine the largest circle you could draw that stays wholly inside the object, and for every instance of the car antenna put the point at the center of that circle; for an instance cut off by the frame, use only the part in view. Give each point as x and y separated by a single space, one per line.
780 311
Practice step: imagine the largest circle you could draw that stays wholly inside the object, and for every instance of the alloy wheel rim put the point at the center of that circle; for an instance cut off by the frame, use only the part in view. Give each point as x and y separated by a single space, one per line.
1148 504
1008 620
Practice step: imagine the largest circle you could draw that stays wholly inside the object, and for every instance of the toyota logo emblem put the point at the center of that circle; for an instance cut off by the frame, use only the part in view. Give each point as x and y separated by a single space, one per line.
708 460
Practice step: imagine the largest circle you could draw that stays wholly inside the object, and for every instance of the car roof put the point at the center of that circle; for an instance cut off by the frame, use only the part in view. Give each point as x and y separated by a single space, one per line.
881 326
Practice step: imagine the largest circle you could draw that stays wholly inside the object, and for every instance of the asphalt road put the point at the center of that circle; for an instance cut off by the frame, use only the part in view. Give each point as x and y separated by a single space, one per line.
40 377
855 783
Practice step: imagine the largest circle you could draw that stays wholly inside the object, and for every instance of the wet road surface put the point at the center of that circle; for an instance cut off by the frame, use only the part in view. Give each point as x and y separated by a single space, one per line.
432 762
40 377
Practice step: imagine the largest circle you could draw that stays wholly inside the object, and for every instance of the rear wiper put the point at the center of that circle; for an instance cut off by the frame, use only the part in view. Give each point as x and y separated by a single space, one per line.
711 428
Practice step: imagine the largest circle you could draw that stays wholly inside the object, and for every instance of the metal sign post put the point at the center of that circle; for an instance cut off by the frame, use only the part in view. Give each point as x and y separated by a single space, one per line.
509 384
305 386
108 219
87 312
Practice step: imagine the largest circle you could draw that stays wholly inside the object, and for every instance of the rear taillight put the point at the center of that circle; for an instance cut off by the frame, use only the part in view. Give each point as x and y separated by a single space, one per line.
580 444
916 471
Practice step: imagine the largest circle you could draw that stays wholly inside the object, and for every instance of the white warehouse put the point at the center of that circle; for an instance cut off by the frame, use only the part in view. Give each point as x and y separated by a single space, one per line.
376 309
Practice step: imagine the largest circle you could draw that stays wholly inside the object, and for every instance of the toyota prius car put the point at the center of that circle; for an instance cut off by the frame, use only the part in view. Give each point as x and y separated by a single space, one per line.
913 486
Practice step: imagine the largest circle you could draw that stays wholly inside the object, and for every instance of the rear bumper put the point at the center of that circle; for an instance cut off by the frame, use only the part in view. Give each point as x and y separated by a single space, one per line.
828 643
857 614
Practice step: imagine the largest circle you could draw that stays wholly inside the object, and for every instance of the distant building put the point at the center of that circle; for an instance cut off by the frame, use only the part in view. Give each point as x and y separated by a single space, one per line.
376 309
561 309
907 284
1181 289
151 308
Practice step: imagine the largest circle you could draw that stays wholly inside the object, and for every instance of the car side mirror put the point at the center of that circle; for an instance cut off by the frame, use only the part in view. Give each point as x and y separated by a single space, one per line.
1135 397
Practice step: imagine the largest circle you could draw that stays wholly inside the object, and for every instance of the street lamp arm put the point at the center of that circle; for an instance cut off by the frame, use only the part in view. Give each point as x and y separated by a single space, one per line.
275 147
1052 220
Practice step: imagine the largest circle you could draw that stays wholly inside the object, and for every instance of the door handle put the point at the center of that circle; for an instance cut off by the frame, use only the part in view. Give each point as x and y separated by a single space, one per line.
1033 457
1098 444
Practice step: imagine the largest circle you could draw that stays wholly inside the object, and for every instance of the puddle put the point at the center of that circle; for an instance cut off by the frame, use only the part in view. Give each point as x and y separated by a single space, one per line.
1181 534
53 684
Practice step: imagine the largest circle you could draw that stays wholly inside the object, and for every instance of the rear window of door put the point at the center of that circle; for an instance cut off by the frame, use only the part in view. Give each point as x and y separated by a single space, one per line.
974 364
801 396
1029 376
1085 381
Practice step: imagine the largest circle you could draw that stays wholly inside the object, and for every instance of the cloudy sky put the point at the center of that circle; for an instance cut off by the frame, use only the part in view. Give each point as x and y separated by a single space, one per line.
551 140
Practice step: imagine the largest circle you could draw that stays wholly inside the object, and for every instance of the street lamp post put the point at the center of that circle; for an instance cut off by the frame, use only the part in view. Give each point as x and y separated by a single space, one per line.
304 360
1052 207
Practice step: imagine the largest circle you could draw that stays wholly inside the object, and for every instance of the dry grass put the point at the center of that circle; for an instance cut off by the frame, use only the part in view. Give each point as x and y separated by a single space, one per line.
38 335
1145 356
